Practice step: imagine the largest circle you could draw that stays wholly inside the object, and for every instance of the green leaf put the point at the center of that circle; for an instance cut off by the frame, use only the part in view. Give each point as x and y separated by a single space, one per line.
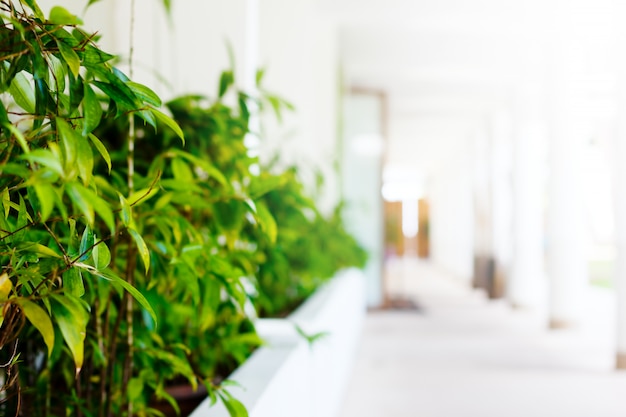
69 143
144 253
235 407
57 74
73 282
79 196
84 160
23 218
6 202
103 209
42 99
4 116
60 16
46 158
141 196
38 249
126 212
72 318
35 8
92 110
93 56
77 91
168 6
19 136
45 195
169 122
226 80
40 320
260 73
264 184
267 222
137 295
22 91
181 170
148 117
101 256
70 56
102 150
124 101
144 93
86 244
91 2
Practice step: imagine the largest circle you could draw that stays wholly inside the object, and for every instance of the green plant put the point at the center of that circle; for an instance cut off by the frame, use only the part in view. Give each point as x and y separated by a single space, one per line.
308 248
124 272
67 248
196 280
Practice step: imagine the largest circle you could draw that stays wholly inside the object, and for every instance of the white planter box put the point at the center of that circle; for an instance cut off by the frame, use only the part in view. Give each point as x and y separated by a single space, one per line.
288 377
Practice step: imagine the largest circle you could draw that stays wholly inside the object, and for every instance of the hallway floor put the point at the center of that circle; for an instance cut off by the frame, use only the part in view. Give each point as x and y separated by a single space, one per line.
462 355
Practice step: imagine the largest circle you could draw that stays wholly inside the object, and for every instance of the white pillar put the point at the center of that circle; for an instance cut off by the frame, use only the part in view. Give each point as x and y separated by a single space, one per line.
567 263
501 201
527 287
619 185
483 227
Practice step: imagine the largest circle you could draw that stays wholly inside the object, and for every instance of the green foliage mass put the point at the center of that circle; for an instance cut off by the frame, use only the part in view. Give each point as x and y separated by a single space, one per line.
135 246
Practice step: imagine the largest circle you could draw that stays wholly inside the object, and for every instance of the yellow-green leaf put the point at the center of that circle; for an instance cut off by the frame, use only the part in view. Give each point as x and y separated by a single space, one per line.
101 149
169 122
144 253
267 222
84 160
73 282
46 197
72 318
39 319
46 158
104 211
37 248
79 196
101 256
18 135
141 196
69 143
70 56
5 287
181 170
126 212
137 295
60 16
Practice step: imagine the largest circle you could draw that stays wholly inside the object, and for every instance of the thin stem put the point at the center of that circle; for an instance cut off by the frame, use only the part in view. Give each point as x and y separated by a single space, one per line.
130 265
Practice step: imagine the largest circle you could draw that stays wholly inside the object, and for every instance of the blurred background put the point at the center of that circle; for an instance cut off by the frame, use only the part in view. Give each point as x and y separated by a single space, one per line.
484 136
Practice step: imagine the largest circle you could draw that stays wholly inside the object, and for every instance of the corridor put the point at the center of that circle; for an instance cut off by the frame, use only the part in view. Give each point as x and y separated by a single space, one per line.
461 355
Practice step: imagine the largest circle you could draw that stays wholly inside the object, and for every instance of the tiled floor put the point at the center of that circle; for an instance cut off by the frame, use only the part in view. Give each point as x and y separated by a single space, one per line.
465 356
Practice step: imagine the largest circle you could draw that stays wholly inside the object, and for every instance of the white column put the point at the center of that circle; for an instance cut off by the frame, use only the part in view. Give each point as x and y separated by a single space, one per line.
527 286
567 263
483 235
501 201
619 185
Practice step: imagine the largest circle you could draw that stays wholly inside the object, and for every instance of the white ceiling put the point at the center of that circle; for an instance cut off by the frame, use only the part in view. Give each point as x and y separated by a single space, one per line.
446 65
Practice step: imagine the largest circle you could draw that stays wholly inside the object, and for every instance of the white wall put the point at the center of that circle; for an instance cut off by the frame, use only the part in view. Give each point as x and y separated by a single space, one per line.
298 50
452 215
